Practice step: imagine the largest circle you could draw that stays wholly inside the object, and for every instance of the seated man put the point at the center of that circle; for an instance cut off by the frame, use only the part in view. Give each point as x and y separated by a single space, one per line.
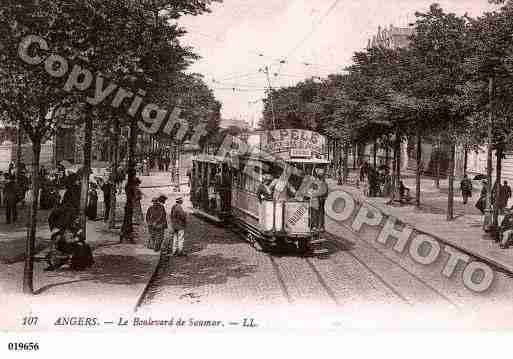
404 192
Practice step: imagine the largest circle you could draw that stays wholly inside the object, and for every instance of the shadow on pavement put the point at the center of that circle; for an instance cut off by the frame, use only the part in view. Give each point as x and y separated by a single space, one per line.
199 270
108 268
13 250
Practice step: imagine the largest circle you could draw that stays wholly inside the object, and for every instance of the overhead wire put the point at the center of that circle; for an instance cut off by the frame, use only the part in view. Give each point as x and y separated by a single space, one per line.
310 33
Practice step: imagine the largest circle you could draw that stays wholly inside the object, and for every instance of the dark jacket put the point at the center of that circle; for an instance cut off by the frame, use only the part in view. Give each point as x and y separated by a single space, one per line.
11 193
178 217
106 189
156 216
72 196
466 186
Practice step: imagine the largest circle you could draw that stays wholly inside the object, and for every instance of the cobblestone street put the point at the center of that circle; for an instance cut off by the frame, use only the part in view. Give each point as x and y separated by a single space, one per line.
356 277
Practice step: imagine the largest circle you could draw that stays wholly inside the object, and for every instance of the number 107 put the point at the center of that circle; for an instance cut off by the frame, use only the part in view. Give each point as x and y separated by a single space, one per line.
30 320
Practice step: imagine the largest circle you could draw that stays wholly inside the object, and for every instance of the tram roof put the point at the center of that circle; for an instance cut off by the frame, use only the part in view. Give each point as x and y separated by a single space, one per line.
265 157
308 160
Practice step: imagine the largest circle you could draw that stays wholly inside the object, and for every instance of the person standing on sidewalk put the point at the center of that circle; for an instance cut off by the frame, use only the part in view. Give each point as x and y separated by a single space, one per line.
502 200
138 213
507 191
466 188
178 219
481 202
11 195
157 223
106 188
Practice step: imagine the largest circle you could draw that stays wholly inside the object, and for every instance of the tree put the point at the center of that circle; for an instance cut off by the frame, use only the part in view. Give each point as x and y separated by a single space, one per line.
490 67
442 40
107 37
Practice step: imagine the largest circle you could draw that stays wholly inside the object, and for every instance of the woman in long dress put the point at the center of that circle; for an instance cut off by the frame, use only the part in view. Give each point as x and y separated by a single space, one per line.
92 207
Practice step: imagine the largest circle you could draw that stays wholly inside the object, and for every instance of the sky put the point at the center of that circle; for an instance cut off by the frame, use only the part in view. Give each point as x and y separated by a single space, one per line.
240 38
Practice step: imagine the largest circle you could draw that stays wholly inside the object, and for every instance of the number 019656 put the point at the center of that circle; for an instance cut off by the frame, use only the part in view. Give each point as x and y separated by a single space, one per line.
23 346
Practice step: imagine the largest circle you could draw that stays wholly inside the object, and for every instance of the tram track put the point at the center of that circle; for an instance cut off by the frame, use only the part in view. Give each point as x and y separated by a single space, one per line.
373 272
367 245
330 293
285 268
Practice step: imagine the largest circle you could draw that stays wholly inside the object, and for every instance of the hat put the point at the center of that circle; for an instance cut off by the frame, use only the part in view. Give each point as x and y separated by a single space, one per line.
162 198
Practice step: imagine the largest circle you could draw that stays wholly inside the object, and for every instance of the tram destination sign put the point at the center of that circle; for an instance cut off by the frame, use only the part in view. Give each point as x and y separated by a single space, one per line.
300 153
299 143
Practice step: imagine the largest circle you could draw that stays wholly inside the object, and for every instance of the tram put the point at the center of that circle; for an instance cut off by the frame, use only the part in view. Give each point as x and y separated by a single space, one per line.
258 188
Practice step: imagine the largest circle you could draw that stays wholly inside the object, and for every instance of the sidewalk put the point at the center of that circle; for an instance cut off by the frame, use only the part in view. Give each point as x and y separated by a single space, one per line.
114 283
464 232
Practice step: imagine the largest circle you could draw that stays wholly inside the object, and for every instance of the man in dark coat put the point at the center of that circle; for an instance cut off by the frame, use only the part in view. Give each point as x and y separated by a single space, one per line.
11 195
178 219
107 197
466 188
157 223
71 197
507 191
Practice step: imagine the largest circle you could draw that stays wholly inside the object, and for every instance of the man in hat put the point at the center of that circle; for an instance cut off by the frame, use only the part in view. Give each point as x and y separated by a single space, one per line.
466 188
11 195
318 194
157 222
264 191
178 219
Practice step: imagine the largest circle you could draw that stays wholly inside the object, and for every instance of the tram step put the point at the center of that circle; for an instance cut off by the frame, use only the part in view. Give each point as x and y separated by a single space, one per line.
321 251
318 241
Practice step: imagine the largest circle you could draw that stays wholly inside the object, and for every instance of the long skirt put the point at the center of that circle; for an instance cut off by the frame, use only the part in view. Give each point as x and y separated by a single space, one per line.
156 237
138 213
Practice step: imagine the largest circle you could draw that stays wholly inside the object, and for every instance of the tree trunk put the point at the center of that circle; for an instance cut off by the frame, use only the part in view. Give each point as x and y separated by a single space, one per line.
86 170
399 158
127 230
395 169
19 150
28 269
438 155
419 168
375 154
498 178
345 163
465 160
114 173
354 156
387 152
450 199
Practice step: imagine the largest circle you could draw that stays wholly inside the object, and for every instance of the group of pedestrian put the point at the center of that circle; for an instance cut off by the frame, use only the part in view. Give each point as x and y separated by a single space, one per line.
378 181
157 221
14 186
160 161
500 196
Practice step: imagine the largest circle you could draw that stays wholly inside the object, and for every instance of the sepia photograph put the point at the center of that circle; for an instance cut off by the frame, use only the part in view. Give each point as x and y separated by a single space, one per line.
255 166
